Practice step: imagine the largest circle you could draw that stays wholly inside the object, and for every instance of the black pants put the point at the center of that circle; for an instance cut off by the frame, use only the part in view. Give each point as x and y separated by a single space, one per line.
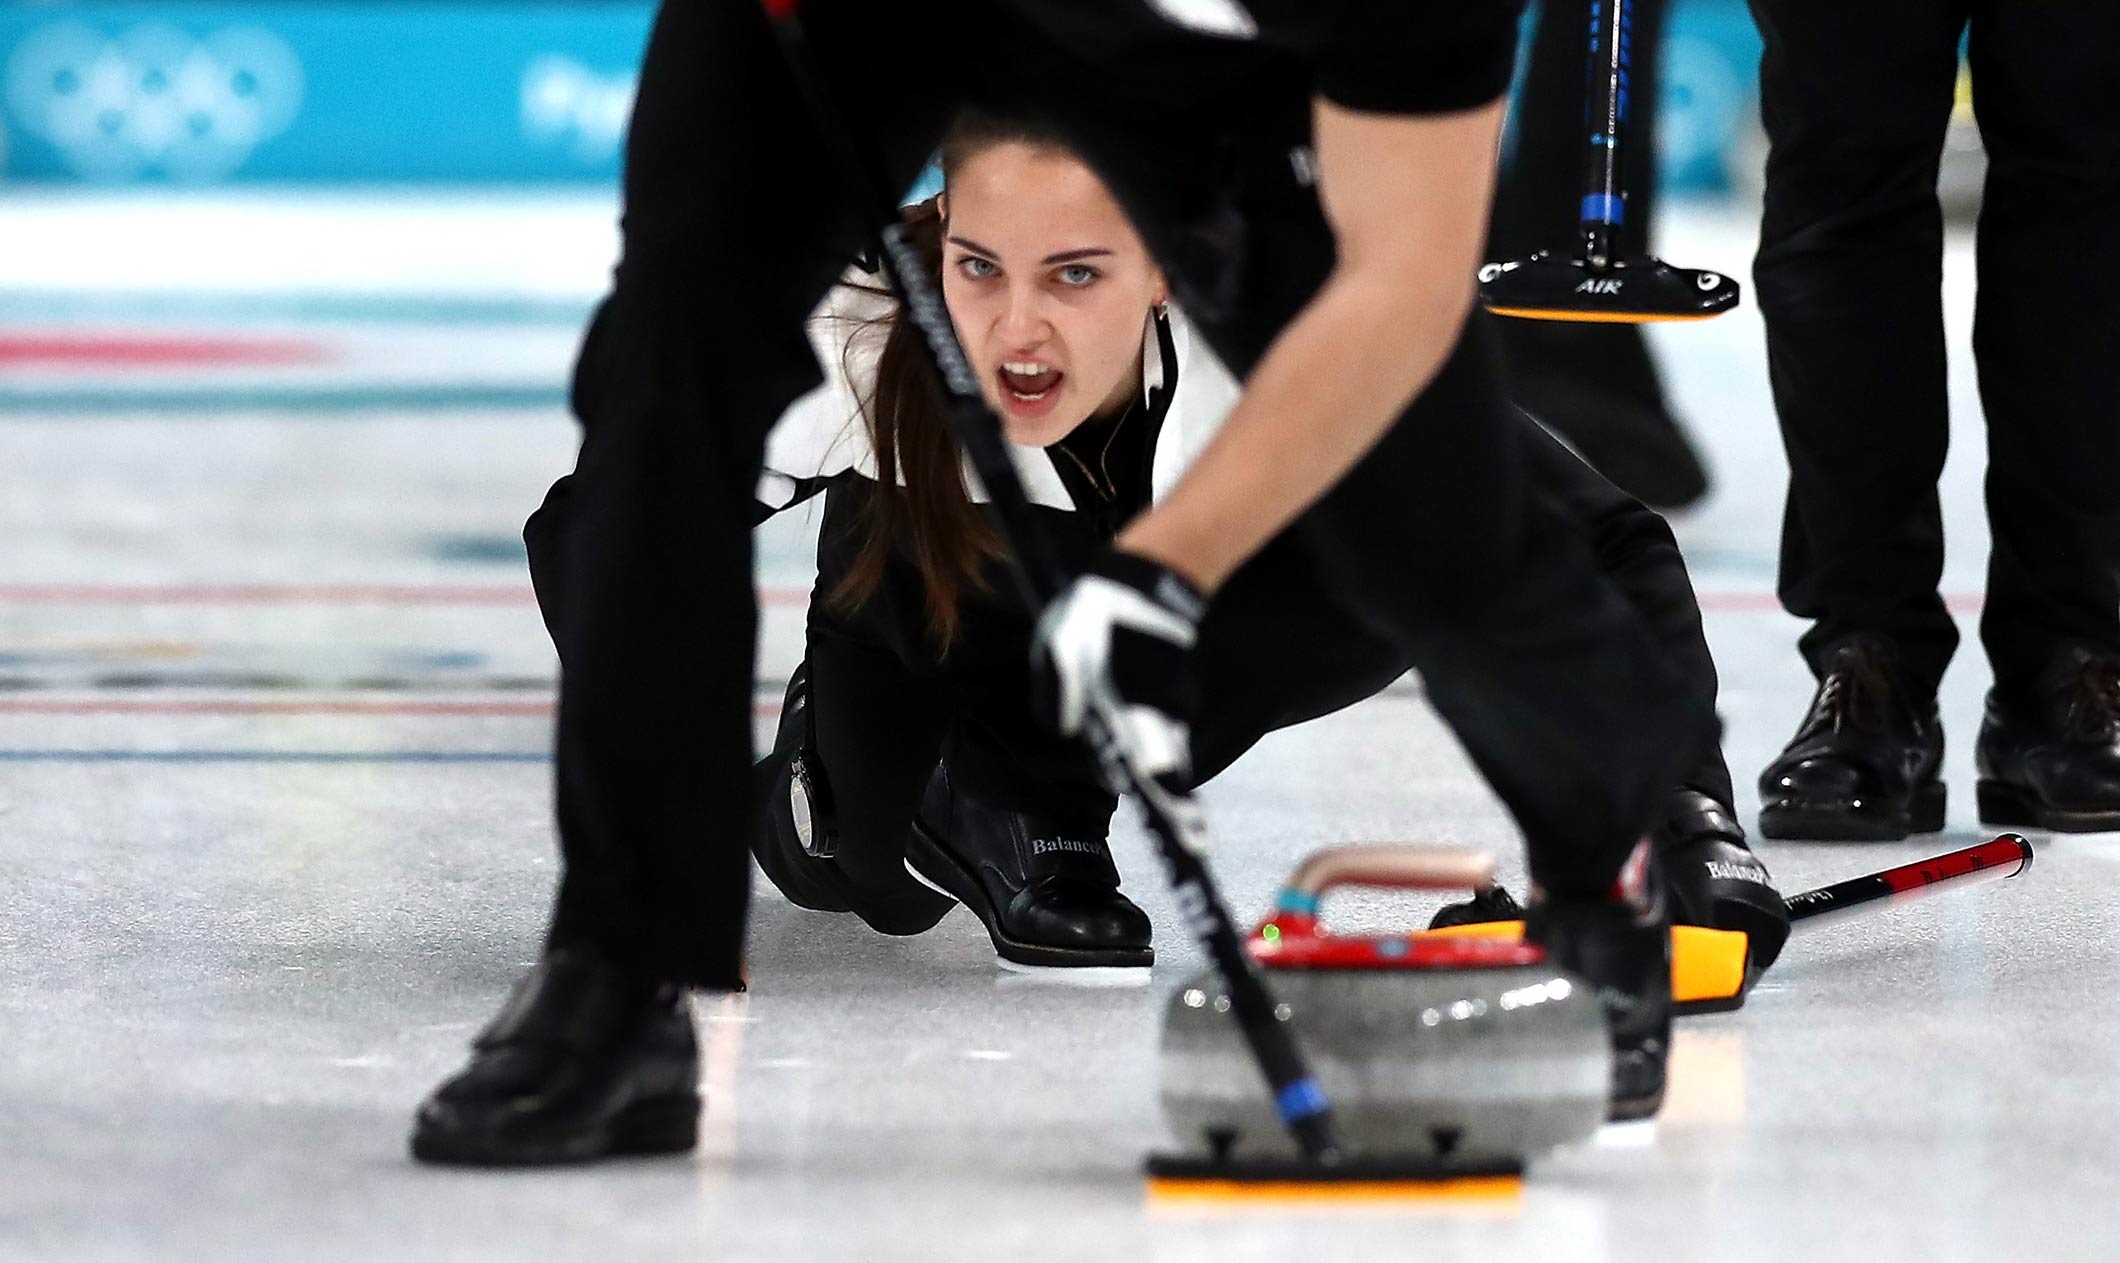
1277 649
1855 99
734 228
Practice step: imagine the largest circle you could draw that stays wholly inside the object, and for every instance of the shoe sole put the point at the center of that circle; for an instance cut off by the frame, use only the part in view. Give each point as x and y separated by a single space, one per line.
932 864
1635 1109
1797 821
791 877
1086 976
665 1125
2004 804
1723 1004
1643 1102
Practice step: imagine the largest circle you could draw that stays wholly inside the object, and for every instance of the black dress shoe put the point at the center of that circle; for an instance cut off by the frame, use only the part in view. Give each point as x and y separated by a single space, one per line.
1863 767
2050 758
1048 895
1715 880
797 845
1621 946
585 1061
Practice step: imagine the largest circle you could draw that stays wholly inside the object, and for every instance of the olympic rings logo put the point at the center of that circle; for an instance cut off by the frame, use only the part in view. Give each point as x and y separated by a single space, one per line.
152 98
566 103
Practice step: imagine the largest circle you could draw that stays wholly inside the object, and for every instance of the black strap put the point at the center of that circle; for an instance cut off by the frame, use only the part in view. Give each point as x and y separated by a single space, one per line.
1044 849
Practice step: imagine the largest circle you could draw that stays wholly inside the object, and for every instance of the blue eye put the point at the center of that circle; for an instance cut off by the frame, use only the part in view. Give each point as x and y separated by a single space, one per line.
976 268
1077 275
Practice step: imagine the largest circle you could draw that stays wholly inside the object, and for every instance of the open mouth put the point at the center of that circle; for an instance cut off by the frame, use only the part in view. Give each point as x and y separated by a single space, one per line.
1029 381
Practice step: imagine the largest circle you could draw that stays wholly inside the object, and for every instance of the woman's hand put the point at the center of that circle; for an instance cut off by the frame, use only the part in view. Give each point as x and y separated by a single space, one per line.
1113 660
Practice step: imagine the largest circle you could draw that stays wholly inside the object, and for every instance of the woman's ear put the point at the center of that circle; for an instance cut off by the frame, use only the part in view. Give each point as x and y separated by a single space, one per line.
942 207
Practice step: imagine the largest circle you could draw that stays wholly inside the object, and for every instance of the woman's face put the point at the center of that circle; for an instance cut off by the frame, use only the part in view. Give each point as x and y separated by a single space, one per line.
1048 286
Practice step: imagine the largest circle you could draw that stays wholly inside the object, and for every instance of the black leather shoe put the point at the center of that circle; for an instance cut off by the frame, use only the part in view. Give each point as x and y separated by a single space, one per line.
585 1061
1863 767
1622 947
1048 895
797 845
1715 880
2050 758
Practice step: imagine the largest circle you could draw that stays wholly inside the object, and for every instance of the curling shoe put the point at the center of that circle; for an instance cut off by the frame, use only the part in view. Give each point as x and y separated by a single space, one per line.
1714 878
1621 945
797 844
2049 758
1048 895
585 1061
1863 767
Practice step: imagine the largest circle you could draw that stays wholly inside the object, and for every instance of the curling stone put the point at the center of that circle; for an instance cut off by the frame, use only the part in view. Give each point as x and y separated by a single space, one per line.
1460 1052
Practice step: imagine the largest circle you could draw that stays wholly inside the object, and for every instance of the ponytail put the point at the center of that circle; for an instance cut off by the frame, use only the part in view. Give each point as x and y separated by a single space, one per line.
920 505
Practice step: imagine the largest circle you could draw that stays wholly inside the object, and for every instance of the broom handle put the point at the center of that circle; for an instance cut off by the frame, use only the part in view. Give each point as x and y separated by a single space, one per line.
1997 858
1604 194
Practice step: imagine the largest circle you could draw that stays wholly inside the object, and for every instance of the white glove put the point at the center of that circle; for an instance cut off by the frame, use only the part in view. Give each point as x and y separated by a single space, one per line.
1117 645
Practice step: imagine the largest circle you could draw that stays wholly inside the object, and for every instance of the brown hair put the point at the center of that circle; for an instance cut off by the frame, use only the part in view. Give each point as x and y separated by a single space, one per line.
931 517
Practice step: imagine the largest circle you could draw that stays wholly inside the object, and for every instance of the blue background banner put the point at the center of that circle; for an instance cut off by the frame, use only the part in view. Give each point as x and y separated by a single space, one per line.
514 91
358 92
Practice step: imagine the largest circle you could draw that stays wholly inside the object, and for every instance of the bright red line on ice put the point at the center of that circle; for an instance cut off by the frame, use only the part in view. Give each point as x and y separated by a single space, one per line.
145 351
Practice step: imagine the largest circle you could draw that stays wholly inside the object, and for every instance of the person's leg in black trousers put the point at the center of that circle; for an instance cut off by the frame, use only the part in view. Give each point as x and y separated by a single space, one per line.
734 226
2046 80
858 698
1718 881
1278 648
1855 99
1594 383
1636 550
863 720
868 728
